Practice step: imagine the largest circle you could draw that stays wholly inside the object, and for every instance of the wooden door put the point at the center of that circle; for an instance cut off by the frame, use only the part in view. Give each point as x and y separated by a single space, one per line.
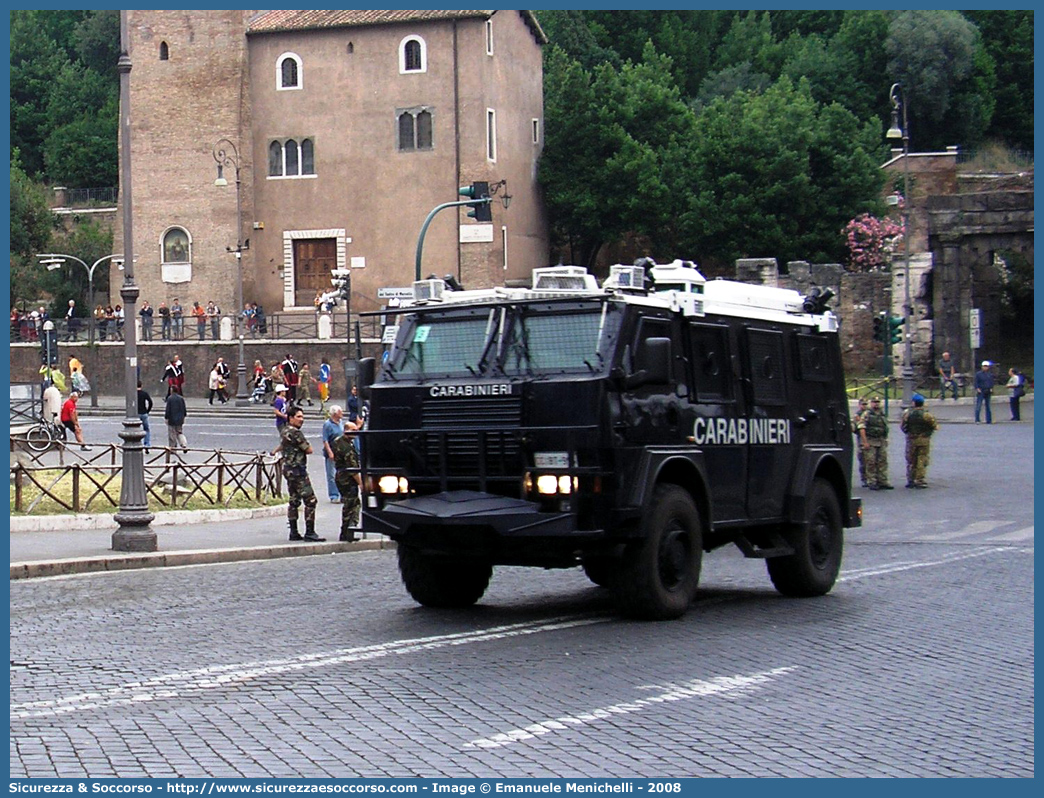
314 259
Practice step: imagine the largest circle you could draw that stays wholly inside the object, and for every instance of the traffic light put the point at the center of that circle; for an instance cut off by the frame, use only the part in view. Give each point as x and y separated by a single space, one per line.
49 347
479 190
895 333
879 324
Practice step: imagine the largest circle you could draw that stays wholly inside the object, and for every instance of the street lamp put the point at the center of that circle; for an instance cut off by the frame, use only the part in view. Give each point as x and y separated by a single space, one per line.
55 260
226 154
135 532
898 98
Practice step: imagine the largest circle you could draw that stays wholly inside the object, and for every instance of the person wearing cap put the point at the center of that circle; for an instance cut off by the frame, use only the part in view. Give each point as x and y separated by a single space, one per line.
873 439
279 404
983 391
860 412
918 424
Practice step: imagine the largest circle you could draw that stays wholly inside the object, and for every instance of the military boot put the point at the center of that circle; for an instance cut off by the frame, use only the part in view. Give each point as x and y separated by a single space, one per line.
310 533
294 534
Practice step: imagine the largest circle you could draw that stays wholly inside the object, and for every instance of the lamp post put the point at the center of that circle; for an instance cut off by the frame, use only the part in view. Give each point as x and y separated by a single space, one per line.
226 154
898 98
55 260
134 532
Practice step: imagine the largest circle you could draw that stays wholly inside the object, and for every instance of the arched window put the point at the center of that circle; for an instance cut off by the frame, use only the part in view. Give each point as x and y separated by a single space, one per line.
275 159
289 74
424 130
406 131
413 55
177 246
288 158
415 129
164 52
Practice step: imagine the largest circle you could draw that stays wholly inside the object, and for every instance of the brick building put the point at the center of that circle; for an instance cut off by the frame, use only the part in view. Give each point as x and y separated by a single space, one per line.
350 126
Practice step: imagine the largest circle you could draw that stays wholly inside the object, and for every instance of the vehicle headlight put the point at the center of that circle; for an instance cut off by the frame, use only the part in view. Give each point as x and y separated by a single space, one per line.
391 484
551 484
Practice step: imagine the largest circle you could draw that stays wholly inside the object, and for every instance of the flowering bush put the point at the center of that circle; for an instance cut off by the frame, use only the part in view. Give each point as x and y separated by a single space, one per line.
871 241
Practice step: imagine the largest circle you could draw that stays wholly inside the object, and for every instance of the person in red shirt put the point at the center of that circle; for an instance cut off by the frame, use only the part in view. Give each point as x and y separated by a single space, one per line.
71 420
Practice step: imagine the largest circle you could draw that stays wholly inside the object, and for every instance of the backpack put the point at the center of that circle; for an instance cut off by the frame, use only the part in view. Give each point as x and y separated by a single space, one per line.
1020 389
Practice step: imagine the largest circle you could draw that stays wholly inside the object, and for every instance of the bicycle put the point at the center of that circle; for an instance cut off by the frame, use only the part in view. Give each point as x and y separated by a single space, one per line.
44 434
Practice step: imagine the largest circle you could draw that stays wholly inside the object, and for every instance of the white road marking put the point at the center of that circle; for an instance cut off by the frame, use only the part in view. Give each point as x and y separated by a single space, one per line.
698 688
976 528
1017 536
897 567
173 685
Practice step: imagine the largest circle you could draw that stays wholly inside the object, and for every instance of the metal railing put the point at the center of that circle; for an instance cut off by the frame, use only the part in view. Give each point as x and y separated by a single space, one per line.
86 484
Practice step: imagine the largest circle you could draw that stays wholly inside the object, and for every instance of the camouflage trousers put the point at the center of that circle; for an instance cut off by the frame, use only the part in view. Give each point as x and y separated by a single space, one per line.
917 449
876 458
861 457
300 488
350 504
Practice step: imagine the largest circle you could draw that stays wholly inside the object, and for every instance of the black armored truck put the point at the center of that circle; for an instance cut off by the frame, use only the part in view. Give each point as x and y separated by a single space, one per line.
625 428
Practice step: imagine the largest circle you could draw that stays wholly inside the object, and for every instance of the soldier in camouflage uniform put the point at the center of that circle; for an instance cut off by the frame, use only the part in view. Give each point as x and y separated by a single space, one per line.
863 405
296 449
918 424
348 481
873 438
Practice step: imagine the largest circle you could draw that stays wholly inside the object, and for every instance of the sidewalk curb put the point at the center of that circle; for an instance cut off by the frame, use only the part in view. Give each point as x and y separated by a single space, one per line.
48 523
125 562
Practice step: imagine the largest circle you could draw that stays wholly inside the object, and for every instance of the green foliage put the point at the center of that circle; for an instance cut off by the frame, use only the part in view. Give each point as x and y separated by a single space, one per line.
1008 40
32 225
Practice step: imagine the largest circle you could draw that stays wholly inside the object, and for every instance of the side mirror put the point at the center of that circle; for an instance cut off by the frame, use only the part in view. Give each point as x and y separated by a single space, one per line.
652 363
365 371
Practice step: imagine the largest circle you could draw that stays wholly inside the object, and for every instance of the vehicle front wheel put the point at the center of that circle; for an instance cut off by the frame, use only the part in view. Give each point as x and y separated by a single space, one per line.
437 580
600 569
658 575
818 544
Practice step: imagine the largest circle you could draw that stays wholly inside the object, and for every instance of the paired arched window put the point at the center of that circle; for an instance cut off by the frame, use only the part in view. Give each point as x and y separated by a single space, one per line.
415 129
289 74
291 158
413 55
176 246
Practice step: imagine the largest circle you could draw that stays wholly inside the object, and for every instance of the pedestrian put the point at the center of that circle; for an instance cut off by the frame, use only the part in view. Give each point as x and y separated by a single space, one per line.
146 314
262 323
70 418
333 428
77 377
225 373
918 424
1017 384
215 386
873 438
165 326
860 412
177 317
175 413
72 324
983 391
346 462
323 381
144 408
295 448
280 406
120 317
110 323
247 314
214 316
291 376
174 376
947 369
100 324
304 387
200 316
353 405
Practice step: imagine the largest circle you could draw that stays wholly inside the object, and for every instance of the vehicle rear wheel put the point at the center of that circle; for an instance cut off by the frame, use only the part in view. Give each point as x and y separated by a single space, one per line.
818 545
437 580
659 574
38 438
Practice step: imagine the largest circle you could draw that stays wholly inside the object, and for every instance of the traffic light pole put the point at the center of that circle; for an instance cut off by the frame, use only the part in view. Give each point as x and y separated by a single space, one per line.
435 210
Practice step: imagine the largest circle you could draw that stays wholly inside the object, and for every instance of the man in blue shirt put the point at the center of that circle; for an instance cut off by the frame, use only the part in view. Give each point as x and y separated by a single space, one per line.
333 427
323 380
983 391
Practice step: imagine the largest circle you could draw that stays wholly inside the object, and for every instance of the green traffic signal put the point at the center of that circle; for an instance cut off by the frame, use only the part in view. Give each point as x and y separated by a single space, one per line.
895 333
479 190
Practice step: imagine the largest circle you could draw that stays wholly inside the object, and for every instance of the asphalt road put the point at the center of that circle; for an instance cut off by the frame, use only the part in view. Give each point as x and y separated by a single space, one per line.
919 663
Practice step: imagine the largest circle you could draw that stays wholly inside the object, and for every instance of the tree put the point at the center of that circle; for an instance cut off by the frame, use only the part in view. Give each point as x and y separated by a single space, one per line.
32 224
1008 38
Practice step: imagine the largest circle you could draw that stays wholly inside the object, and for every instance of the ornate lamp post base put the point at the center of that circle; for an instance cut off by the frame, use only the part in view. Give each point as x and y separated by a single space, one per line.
134 518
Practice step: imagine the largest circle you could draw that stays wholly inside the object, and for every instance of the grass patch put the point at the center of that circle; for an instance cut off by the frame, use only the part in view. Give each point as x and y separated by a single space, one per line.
94 501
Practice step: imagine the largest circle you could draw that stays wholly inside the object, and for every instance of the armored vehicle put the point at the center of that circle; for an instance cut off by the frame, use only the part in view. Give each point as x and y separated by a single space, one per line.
626 428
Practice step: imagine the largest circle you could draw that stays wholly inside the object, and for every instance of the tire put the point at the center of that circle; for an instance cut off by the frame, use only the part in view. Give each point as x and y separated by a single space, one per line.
600 569
442 581
38 438
818 545
658 576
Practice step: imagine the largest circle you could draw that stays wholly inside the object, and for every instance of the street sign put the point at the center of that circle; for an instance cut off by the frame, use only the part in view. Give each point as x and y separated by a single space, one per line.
976 338
975 319
388 337
395 293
